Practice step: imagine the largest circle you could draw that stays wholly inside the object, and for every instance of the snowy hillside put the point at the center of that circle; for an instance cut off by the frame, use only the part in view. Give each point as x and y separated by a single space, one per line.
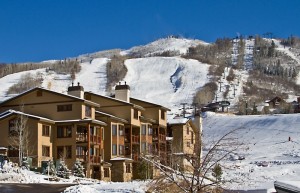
165 80
266 142
180 45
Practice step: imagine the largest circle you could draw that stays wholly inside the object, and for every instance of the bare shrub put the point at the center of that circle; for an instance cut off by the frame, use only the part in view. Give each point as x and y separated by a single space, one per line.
116 70
66 66
26 82
206 94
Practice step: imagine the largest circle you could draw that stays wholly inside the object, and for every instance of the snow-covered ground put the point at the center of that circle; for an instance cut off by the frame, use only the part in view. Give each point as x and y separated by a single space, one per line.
179 45
265 140
11 174
165 80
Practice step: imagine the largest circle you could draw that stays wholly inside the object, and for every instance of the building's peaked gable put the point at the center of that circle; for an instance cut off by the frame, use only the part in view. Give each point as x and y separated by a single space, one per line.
112 100
147 104
53 96
11 112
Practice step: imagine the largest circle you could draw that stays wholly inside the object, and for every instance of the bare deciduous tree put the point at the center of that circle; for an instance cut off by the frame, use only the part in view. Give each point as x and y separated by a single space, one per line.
205 173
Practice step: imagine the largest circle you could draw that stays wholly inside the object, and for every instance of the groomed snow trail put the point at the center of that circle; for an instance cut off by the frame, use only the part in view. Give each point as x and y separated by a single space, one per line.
165 80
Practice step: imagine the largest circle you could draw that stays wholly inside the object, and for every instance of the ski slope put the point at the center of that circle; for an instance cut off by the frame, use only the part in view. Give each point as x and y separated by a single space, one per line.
179 45
168 81
265 139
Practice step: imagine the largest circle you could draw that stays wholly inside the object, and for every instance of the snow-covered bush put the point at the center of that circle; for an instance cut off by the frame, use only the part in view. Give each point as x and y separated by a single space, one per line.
63 171
78 169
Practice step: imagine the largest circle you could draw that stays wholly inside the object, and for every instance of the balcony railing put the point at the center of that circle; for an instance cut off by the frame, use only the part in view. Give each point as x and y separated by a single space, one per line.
80 137
95 159
95 139
159 137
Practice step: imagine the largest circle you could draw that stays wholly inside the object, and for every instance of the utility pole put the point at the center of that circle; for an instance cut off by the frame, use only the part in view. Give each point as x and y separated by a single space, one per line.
183 107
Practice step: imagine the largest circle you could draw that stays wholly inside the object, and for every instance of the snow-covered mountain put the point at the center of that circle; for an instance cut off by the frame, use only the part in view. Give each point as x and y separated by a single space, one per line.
179 45
170 81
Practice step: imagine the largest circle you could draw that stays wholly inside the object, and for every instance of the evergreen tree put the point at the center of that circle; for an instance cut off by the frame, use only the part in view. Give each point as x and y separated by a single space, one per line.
63 171
217 172
78 169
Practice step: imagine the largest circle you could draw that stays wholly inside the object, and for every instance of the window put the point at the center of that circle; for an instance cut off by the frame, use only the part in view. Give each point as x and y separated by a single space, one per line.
60 152
187 130
114 149
106 172
144 129
144 146
46 130
64 108
68 151
88 111
121 149
64 131
64 152
121 130
80 151
128 168
135 114
162 115
114 130
12 129
45 151
150 131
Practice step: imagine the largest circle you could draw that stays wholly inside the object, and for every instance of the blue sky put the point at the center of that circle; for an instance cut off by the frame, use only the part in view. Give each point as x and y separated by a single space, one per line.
36 30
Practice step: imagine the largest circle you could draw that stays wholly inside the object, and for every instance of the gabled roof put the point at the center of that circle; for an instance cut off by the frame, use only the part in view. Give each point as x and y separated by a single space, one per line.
111 116
117 100
11 112
50 91
82 121
150 104
178 121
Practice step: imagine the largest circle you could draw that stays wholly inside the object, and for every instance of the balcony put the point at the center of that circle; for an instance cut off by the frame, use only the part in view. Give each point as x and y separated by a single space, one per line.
95 139
80 137
159 137
95 159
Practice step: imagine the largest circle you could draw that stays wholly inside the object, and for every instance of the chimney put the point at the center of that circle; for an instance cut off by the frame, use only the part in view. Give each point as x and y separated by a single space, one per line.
77 91
198 134
122 92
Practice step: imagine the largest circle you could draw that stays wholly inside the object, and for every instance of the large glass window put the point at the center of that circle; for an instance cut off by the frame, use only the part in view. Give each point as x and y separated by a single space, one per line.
64 131
114 129
144 129
12 127
114 149
144 147
88 111
45 151
46 130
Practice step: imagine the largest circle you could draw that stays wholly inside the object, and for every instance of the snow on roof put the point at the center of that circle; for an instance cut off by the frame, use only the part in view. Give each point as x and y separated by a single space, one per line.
169 138
82 120
10 112
120 159
290 185
3 148
67 95
176 121
112 116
